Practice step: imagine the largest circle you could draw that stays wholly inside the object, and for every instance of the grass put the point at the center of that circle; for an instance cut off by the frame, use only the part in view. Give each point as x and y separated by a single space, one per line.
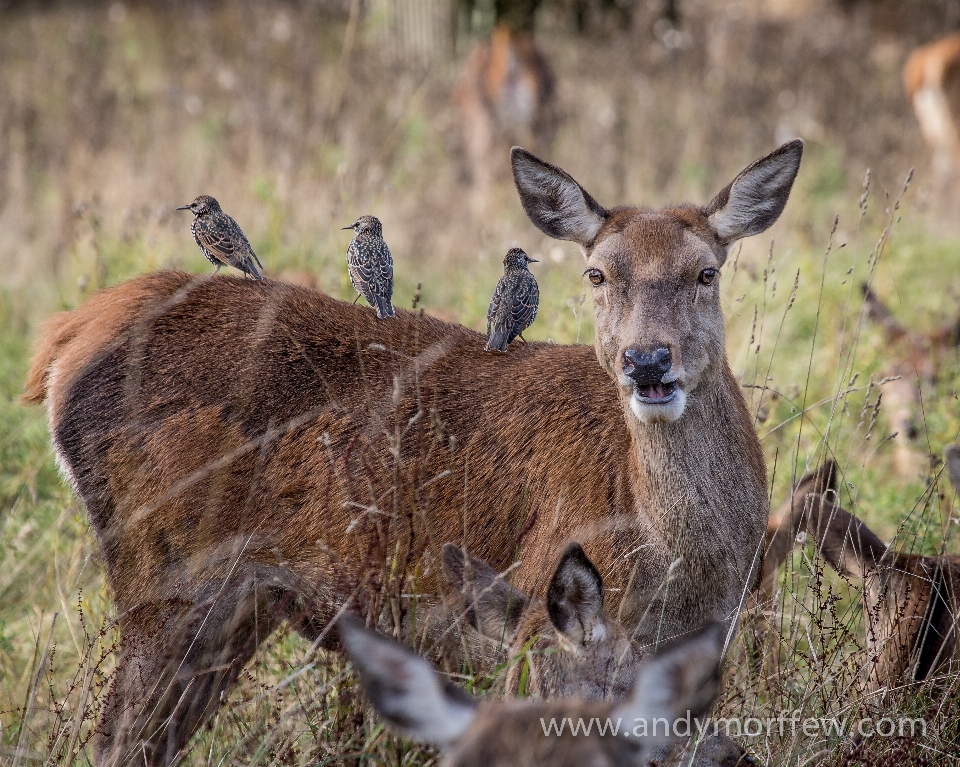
102 147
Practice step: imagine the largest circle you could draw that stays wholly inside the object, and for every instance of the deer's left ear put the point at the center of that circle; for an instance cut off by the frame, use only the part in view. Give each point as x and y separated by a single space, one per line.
493 606
754 200
404 689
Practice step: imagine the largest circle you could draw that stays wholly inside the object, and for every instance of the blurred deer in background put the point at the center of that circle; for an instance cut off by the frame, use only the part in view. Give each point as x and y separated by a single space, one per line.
250 454
674 686
911 602
505 94
915 365
931 79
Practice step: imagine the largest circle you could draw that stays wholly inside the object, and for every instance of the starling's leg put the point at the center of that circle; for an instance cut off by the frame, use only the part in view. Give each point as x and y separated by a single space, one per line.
216 270
520 335
357 298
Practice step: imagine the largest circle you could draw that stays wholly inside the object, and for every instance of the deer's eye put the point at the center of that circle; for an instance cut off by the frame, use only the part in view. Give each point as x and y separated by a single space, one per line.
707 276
595 276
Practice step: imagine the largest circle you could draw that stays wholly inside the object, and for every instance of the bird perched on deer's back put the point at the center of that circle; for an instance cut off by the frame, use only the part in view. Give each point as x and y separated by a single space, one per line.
370 265
220 239
513 307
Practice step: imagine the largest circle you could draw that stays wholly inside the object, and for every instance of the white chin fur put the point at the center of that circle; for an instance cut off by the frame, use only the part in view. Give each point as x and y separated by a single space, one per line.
648 413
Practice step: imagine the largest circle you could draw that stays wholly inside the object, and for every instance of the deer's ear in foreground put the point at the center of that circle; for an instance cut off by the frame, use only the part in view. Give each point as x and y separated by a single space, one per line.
563 647
678 682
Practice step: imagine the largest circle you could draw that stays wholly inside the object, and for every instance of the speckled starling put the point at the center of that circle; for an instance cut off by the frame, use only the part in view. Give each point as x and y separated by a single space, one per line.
220 239
513 307
370 265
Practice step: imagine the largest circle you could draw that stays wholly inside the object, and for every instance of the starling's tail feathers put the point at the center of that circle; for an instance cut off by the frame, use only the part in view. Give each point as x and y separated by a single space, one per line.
253 271
498 342
384 307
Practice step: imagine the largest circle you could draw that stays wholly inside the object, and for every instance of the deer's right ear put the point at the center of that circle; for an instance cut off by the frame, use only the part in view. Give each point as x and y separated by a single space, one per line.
575 594
493 606
404 689
823 479
554 202
754 200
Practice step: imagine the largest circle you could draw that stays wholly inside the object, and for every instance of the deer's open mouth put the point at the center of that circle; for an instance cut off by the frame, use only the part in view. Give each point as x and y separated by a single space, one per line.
656 393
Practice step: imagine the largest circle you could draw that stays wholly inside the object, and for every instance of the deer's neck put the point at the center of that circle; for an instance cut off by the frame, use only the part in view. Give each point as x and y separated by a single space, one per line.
700 482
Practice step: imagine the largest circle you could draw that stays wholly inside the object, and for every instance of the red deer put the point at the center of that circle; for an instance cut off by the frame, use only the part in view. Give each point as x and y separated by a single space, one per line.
911 602
931 79
505 93
250 453
678 683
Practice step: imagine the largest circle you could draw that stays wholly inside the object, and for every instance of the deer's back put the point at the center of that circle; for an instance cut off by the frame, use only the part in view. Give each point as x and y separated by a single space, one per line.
205 421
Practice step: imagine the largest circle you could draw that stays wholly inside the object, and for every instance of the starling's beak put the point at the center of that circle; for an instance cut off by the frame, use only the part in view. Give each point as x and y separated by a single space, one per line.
183 207
346 227
533 260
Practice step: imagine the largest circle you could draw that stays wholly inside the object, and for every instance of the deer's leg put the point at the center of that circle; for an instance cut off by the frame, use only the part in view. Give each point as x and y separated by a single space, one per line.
478 137
902 398
177 663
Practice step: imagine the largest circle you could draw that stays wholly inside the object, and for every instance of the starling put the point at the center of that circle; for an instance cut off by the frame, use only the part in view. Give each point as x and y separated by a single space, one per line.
370 265
513 307
220 239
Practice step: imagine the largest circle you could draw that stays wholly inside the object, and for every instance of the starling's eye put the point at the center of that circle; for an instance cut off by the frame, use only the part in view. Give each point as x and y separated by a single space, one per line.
707 276
595 276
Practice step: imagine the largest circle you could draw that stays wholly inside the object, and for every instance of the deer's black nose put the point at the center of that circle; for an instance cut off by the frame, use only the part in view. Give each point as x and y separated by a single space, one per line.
647 367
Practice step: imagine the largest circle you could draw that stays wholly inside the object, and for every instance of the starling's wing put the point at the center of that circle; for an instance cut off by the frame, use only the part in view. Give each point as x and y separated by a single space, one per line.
495 302
219 244
526 298
362 270
243 257
383 271
354 269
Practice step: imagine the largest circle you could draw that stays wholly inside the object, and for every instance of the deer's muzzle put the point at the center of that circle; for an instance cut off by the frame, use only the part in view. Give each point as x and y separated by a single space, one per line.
647 369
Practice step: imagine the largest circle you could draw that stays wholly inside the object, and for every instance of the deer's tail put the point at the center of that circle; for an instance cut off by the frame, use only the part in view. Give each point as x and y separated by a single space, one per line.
69 340
54 335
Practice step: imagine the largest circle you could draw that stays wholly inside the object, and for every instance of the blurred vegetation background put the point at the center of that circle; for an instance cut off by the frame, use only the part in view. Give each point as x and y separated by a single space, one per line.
300 116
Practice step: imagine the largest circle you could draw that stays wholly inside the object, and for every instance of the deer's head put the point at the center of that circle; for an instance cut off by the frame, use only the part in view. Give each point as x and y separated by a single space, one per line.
563 647
910 600
655 273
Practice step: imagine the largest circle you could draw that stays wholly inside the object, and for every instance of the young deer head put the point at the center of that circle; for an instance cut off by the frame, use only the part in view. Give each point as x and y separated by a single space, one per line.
784 524
562 647
678 682
656 296
911 602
